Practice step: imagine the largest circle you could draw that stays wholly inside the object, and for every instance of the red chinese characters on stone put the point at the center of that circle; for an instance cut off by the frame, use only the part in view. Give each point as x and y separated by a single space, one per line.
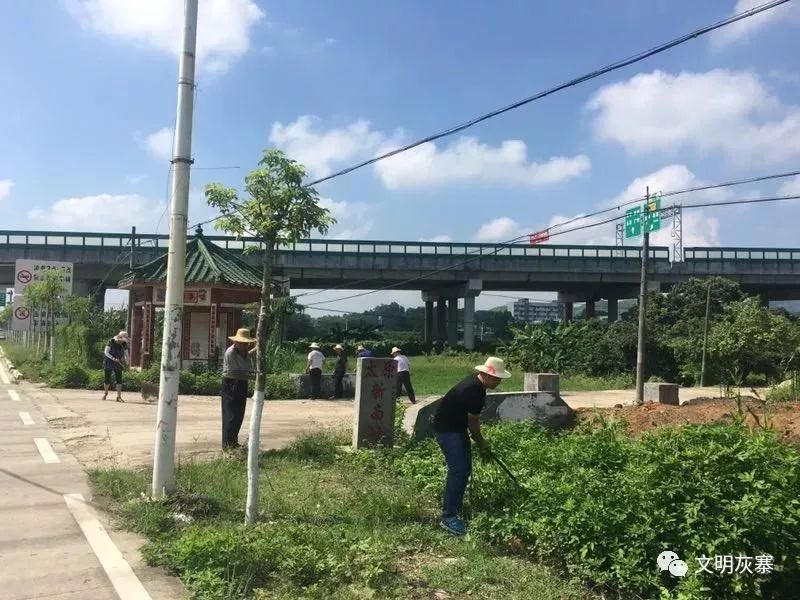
388 369
377 391
369 370
376 427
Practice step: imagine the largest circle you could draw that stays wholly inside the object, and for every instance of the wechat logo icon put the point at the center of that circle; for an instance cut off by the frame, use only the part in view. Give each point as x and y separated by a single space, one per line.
669 561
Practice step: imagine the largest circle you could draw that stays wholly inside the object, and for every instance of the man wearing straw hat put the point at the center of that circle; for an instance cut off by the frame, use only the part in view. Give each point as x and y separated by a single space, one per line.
403 374
314 368
458 411
339 369
236 372
114 353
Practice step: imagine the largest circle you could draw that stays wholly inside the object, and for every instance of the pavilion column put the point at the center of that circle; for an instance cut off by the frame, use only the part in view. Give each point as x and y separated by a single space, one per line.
213 325
186 336
136 335
148 329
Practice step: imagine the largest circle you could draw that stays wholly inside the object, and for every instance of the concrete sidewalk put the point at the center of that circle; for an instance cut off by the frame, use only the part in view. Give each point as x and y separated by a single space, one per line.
53 544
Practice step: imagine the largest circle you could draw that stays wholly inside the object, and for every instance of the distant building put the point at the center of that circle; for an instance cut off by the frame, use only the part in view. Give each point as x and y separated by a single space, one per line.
537 312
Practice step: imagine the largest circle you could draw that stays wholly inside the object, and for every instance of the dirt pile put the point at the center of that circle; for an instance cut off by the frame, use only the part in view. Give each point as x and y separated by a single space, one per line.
784 418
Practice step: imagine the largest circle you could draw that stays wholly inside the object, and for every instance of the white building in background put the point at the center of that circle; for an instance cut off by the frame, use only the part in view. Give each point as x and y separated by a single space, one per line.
537 312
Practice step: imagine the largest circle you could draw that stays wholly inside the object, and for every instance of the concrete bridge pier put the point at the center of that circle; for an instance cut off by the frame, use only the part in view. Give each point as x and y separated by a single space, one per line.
445 320
452 322
613 309
428 329
441 319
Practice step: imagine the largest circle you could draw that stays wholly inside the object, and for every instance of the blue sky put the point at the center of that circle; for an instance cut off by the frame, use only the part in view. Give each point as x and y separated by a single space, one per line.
90 89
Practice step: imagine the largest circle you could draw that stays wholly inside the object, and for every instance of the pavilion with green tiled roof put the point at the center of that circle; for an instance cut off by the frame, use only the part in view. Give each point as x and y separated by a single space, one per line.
218 286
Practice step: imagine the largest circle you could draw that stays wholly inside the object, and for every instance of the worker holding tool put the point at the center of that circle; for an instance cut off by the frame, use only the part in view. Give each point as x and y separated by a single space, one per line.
459 411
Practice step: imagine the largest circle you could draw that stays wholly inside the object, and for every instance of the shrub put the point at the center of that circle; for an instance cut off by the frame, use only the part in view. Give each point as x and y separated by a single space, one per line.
68 375
603 506
786 391
212 557
280 387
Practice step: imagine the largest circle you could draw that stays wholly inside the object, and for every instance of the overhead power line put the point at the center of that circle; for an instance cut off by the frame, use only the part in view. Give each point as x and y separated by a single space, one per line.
568 84
571 83
699 188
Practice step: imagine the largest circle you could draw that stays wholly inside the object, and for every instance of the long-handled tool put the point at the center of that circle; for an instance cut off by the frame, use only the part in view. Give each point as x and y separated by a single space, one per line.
508 472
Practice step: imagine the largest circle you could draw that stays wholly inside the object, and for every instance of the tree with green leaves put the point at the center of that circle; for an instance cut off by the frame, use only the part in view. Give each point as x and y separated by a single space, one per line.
278 209
47 295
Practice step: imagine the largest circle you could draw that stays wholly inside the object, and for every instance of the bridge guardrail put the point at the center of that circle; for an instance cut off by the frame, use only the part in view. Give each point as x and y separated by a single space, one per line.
122 241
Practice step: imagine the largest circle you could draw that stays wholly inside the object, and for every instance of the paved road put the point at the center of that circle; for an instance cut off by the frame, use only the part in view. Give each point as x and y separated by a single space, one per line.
53 544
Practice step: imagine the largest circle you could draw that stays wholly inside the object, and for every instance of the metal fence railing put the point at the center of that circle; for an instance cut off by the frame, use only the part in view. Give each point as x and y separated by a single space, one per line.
122 241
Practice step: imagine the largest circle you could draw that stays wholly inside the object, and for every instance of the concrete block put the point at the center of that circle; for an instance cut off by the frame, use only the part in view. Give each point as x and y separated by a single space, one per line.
542 382
544 407
664 393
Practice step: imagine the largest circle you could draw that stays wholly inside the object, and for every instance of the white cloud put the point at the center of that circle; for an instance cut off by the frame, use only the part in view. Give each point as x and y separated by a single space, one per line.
321 150
158 143
719 111
464 160
103 212
468 160
499 230
788 188
745 28
352 219
223 30
5 187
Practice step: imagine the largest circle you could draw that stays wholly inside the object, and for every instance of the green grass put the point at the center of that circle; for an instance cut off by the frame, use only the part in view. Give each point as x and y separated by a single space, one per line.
32 364
334 525
436 373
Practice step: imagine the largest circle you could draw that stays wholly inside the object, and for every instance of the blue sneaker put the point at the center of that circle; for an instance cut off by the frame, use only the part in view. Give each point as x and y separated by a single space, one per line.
454 526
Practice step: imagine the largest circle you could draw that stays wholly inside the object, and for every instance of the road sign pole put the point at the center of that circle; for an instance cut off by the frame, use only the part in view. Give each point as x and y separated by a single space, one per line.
642 337
166 421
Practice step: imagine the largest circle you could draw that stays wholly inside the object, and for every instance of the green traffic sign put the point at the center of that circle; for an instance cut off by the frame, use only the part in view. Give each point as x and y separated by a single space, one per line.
649 215
2 298
633 222
652 215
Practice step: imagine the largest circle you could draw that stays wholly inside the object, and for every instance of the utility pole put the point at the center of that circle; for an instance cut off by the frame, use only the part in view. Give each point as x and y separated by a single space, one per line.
642 337
705 335
164 453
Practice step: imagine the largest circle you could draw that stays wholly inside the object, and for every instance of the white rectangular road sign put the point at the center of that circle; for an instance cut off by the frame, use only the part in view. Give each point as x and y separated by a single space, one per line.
29 271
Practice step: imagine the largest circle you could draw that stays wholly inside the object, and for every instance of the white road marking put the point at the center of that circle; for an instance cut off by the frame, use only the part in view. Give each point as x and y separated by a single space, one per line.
124 580
3 376
26 418
14 394
46 450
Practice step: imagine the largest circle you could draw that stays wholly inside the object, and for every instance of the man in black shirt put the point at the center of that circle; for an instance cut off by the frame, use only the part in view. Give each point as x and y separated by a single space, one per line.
458 411
339 369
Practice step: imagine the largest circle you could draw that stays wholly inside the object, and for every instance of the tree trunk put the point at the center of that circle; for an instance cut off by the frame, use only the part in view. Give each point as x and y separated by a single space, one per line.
254 442
52 334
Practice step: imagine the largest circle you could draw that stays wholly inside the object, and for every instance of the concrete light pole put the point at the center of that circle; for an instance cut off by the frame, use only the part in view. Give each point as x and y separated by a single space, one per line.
164 454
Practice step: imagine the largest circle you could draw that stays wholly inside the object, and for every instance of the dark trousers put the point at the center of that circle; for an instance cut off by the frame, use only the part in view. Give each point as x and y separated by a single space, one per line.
458 456
316 382
234 400
404 380
338 385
